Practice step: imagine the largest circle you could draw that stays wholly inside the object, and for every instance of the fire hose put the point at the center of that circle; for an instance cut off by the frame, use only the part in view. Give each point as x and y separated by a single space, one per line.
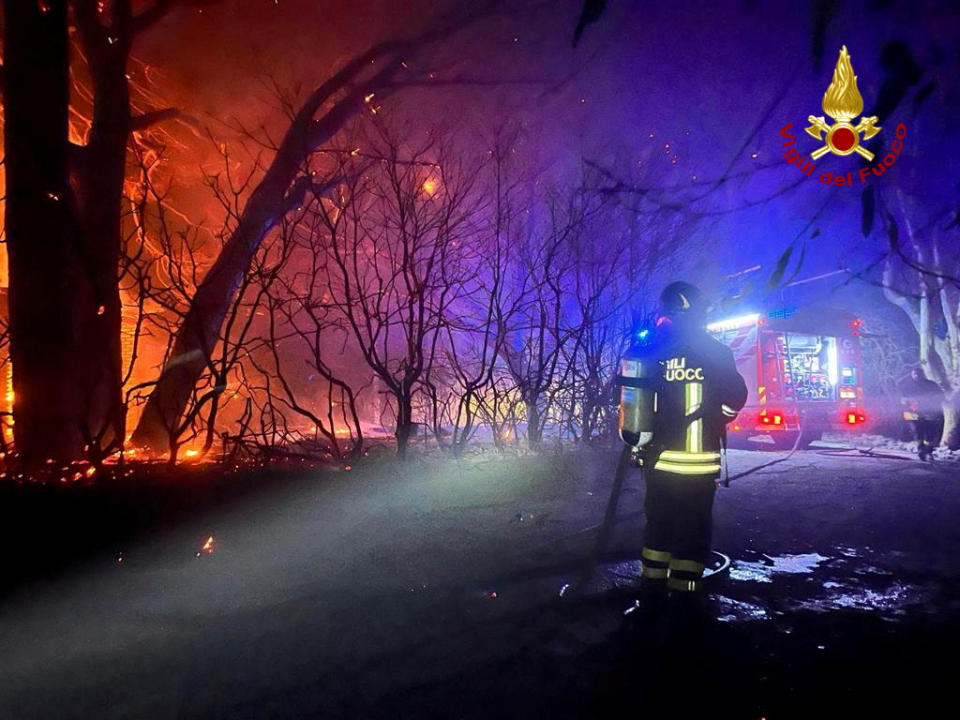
726 468
801 420
609 520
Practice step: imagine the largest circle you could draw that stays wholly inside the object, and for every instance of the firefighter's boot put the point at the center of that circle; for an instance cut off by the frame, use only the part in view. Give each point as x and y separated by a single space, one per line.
687 616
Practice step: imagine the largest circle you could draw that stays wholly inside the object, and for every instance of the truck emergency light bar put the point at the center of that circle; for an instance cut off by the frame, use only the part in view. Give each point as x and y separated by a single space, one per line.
782 313
734 322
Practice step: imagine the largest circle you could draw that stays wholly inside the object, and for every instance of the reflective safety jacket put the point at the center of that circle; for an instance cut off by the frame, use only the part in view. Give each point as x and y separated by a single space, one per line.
699 393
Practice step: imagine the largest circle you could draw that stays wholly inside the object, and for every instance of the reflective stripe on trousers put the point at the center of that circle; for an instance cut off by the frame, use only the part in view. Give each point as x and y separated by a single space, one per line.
655 564
684 575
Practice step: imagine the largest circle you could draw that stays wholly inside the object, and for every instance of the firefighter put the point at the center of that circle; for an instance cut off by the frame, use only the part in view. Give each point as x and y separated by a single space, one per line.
924 401
697 392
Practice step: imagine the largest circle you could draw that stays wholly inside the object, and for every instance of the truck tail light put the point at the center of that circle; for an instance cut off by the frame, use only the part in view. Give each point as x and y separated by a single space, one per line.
771 418
855 417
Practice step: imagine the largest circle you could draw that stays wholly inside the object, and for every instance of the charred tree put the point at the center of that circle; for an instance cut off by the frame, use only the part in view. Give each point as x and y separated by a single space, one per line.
99 171
64 259
107 33
43 239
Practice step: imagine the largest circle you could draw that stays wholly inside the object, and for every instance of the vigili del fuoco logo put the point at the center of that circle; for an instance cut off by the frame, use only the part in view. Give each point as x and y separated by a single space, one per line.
843 103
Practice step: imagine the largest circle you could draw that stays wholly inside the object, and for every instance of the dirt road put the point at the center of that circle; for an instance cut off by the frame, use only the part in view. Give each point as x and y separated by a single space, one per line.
431 590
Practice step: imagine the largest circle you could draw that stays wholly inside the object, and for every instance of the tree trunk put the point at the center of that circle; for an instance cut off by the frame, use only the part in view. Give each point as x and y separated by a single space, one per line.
198 335
43 240
101 176
951 421
404 423
534 429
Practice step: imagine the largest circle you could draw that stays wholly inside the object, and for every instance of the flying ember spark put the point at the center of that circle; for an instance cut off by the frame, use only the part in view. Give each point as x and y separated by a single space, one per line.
208 547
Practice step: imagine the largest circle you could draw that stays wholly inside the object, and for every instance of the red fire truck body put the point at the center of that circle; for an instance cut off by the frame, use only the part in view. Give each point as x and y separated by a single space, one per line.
803 371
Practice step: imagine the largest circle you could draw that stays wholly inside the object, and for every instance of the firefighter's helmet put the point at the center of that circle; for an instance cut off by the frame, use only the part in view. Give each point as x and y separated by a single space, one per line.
683 300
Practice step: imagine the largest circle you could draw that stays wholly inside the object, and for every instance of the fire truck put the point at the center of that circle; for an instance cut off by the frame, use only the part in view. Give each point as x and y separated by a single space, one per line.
803 371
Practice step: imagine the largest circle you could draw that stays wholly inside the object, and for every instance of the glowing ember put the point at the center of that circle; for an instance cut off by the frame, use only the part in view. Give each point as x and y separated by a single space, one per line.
208 547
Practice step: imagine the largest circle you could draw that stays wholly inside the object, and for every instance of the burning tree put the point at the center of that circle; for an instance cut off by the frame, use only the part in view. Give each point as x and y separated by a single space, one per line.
166 271
286 182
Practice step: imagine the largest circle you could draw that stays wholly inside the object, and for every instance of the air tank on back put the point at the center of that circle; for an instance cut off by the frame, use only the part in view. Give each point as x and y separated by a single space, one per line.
639 377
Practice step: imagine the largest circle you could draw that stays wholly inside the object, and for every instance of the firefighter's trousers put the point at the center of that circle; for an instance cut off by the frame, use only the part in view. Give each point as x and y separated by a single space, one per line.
679 510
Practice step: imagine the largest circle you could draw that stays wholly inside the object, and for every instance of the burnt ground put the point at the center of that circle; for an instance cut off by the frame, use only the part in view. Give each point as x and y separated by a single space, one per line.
431 590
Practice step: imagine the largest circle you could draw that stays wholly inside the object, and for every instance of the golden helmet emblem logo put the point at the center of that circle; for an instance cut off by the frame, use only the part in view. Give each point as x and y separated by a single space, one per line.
843 103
